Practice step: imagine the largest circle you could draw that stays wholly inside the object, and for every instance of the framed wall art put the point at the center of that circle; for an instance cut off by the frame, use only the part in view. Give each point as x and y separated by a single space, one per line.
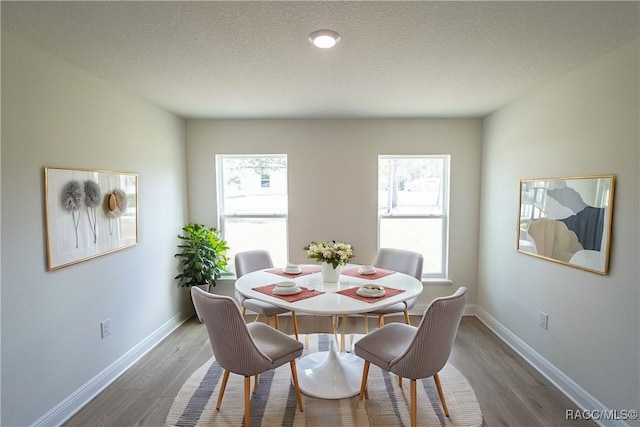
567 220
89 213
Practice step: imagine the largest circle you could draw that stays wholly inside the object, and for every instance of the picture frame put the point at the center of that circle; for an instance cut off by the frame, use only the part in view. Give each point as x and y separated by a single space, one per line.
89 213
567 220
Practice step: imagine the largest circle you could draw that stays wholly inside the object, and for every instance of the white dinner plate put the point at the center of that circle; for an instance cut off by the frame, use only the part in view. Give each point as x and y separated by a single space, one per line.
281 291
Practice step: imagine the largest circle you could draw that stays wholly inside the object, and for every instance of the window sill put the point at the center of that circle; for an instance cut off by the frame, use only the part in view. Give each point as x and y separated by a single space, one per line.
436 282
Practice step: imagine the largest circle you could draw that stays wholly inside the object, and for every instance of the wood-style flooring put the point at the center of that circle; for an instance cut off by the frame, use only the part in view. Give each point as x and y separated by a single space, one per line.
510 392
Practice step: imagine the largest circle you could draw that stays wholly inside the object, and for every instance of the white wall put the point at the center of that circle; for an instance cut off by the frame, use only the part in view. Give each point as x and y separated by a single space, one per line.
585 123
332 168
54 114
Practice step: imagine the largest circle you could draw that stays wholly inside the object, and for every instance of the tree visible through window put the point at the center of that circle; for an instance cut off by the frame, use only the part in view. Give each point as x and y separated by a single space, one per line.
412 207
265 181
253 203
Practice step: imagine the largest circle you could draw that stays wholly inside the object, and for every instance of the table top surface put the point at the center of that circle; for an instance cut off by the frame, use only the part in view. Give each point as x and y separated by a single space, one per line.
329 301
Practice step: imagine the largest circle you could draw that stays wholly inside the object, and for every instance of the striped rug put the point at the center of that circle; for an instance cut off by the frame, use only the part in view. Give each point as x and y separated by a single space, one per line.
274 403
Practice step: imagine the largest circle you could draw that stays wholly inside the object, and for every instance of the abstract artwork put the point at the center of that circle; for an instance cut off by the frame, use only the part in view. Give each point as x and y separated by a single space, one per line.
567 220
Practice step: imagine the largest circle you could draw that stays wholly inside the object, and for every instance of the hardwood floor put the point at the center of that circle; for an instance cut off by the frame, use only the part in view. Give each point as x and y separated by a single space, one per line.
510 392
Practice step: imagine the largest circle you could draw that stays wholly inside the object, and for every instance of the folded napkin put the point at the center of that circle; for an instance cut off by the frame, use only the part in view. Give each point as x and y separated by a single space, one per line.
388 292
305 270
379 274
306 293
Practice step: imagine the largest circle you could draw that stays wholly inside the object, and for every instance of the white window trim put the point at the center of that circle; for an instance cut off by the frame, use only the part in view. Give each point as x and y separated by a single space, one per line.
444 216
219 158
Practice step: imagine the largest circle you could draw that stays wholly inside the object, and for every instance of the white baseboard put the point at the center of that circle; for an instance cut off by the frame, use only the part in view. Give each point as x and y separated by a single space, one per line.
76 400
583 400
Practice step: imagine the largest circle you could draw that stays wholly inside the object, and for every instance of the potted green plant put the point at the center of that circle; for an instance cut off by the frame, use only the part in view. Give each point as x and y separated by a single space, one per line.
203 254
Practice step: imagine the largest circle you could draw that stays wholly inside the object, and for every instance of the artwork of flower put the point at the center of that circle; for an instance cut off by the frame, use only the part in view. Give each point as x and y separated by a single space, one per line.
108 199
73 198
115 204
91 200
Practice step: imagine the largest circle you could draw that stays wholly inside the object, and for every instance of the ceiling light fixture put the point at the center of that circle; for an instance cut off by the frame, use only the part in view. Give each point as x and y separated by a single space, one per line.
324 39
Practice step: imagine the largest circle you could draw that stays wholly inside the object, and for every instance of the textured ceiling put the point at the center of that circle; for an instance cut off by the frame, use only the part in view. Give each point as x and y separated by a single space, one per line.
396 59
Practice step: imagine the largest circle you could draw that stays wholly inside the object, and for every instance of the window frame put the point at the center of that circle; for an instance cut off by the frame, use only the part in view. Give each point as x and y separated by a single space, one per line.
444 216
222 215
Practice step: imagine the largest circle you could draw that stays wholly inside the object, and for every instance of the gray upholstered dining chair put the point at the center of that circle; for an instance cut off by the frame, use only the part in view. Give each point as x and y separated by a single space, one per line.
244 349
415 352
403 261
247 262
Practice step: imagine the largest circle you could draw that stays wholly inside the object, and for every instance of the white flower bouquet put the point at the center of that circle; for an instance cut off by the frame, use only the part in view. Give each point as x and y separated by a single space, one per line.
334 253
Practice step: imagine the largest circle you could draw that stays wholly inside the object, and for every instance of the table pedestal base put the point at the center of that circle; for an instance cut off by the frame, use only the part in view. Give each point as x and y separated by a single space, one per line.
329 374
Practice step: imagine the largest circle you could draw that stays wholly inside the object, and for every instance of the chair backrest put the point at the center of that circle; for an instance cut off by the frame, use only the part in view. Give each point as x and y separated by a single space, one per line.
231 342
431 346
248 261
401 260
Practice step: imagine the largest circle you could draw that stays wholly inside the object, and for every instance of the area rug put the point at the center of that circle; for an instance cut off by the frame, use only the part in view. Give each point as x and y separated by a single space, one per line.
274 403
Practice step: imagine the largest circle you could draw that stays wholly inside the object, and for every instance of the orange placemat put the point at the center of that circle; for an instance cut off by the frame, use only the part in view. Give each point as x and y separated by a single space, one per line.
306 293
380 273
304 272
388 292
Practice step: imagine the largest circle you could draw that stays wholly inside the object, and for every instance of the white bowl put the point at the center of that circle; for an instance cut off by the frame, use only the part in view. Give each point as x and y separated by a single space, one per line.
292 270
286 285
287 291
365 292
367 269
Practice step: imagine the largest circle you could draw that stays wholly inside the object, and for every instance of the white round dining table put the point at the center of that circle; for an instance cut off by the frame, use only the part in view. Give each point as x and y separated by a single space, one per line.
329 374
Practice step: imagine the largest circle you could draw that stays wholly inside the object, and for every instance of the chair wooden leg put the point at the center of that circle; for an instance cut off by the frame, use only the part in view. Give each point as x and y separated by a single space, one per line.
380 321
247 401
406 317
244 311
294 374
257 318
275 321
399 381
436 378
363 384
366 324
267 321
294 319
414 404
344 332
225 378
255 384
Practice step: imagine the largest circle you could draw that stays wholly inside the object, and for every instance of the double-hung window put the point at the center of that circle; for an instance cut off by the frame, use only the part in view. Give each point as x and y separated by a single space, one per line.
413 201
253 203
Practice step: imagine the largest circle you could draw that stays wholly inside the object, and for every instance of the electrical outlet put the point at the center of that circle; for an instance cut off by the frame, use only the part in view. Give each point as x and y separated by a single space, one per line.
543 320
105 328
